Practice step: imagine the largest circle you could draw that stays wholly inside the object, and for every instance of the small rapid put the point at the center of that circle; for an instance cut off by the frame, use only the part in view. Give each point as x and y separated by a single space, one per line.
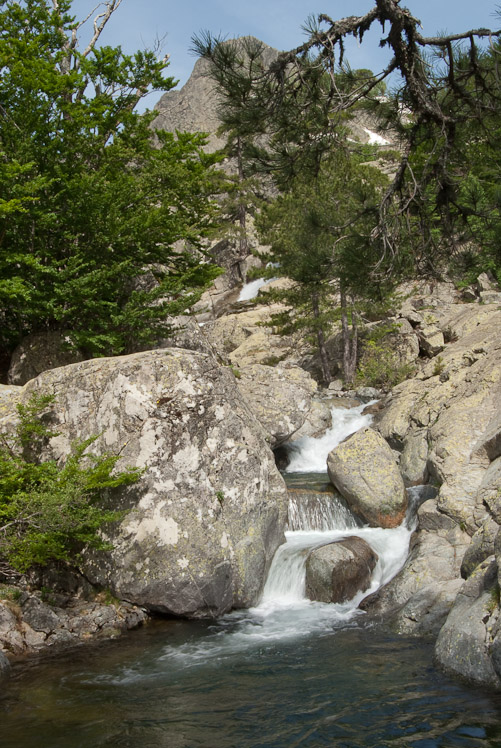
309 455
316 516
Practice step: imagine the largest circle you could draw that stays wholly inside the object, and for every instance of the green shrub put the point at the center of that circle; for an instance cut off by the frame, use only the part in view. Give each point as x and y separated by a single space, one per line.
49 511
379 366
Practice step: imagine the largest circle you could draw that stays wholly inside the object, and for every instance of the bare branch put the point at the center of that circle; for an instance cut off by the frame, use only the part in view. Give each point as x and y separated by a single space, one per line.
100 22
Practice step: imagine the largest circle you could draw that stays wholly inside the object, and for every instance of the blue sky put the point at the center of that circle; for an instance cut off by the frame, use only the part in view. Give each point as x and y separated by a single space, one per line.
137 23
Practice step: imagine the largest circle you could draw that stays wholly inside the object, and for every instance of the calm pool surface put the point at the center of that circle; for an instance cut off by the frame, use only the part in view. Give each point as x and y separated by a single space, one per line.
184 684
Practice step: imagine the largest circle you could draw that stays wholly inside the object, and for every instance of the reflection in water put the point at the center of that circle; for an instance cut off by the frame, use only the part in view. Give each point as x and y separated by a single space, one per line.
353 688
289 672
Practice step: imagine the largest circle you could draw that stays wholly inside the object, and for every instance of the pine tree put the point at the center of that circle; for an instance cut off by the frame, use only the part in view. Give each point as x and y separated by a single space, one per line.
89 202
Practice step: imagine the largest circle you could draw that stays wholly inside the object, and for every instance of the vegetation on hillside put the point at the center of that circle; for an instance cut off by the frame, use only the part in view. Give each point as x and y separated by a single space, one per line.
440 211
49 510
98 220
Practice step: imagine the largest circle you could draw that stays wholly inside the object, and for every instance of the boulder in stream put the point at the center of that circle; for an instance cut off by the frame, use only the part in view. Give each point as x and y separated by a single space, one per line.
279 397
364 470
337 571
469 643
201 525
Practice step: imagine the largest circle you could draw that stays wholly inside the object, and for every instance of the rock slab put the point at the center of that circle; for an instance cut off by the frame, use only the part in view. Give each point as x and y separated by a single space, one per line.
202 524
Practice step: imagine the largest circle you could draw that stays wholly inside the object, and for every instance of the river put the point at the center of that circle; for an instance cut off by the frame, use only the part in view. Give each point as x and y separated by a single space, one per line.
289 672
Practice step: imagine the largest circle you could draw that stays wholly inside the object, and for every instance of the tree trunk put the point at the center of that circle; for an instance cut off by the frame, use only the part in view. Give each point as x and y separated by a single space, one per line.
242 212
350 341
324 359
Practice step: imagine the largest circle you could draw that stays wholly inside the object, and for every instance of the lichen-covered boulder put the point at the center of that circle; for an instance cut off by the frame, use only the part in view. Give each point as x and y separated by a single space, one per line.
337 571
364 471
468 644
280 398
202 524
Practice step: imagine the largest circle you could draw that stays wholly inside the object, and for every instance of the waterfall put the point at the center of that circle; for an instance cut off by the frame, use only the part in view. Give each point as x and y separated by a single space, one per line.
316 516
249 290
314 511
309 455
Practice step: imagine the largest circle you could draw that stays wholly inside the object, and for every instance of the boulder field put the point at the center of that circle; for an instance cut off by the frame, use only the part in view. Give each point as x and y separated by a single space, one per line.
201 526
446 426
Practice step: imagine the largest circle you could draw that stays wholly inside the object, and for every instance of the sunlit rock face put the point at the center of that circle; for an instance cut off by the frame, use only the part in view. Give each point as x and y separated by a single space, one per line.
202 524
364 470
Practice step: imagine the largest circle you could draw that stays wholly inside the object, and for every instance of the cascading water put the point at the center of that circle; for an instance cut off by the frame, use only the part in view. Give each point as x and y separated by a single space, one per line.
315 518
249 290
271 676
309 455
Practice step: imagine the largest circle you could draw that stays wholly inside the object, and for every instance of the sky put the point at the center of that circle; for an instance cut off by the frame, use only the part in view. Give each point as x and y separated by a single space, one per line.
138 23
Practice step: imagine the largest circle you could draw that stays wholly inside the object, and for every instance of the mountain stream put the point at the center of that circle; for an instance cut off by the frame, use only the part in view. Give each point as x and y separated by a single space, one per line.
289 672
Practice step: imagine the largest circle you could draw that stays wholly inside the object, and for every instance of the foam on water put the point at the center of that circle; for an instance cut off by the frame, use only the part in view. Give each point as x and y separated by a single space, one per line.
284 612
309 455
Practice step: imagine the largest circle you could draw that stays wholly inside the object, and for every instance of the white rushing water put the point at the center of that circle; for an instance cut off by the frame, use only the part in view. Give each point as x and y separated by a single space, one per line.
249 291
309 455
284 612
318 512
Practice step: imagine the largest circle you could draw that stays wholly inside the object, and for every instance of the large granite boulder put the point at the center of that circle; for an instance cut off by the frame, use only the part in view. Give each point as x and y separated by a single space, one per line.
280 398
337 571
469 643
201 526
365 473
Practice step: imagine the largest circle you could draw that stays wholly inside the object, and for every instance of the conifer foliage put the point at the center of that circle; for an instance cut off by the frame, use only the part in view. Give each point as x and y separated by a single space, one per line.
89 201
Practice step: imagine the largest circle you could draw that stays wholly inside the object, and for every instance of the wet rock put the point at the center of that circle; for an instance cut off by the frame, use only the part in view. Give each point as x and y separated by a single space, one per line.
426 611
374 409
417 600
337 571
364 471
4 665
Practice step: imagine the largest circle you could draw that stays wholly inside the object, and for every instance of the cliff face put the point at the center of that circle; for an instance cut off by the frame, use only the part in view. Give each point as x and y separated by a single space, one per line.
194 108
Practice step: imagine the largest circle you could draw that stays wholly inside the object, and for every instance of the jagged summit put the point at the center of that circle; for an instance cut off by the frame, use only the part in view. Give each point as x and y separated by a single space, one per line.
194 108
